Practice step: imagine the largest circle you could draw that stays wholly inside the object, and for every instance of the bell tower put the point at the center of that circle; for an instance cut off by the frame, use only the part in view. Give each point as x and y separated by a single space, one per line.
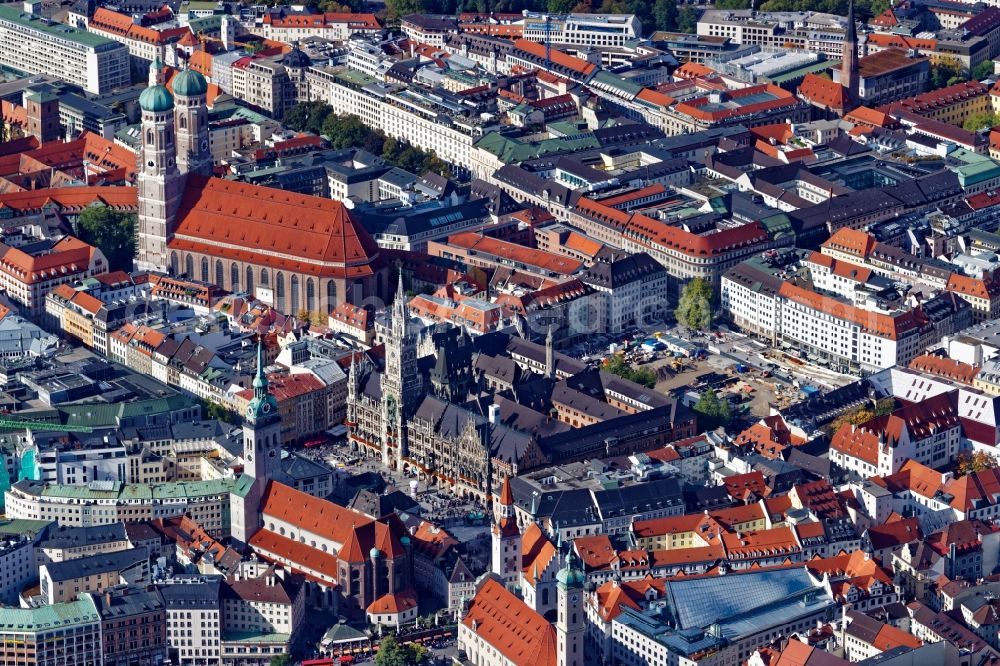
400 382
191 117
160 184
570 620
261 456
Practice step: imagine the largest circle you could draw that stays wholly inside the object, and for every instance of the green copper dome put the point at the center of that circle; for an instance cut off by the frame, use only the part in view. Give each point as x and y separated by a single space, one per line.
156 99
375 553
570 575
190 83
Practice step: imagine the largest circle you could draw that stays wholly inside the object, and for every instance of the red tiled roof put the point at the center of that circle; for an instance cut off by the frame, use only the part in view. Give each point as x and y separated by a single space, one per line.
355 21
302 558
824 92
887 326
71 199
394 603
312 514
67 257
898 42
538 258
558 57
286 387
945 367
108 21
281 229
869 117
975 287
508 625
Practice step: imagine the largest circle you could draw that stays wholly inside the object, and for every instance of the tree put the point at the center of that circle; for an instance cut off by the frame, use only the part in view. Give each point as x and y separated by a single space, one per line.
112 231
215 411
694 309
977 461
391 653
616 365
307 117
856 416
397 9
687 19
712 412
280 660
944 72
978 122
665 15
983 70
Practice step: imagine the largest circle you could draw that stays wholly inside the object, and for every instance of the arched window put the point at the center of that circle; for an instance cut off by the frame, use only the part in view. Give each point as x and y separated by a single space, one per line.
263 277
249 284
294 302
204 269
173 263
184 122
234 274
279 292
331 295
310 295
149 137
220 273
189 266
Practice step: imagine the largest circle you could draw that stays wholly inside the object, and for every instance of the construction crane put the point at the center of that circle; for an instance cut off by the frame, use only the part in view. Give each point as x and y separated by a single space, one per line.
18 424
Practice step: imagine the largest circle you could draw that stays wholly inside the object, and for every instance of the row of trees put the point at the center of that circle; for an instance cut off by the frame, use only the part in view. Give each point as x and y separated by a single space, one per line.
345 131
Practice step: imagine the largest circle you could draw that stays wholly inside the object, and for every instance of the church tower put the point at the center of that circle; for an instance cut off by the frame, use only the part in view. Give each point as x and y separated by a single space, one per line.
191 118
160 184
570 621
400 382
261 456
505 540
849 76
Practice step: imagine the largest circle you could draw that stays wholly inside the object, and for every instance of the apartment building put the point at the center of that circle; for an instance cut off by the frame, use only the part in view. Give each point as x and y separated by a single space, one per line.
66 580
47 635
107 503
145 44
35 45
28 278
582 29
291 27
447 124
812 31
194 622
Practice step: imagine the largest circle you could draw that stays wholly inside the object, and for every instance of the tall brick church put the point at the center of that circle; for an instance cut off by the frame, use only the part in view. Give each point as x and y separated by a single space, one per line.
297 252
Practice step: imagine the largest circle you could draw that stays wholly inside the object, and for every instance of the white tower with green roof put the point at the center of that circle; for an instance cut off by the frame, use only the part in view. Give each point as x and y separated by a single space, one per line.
570 621
261 457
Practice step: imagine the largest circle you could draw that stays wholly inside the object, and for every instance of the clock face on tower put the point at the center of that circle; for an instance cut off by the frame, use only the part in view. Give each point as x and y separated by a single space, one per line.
573 599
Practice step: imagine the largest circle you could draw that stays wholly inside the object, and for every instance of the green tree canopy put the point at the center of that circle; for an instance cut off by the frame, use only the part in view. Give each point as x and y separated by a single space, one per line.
983 70
112 231
978 122
694 309
616 365
391 653
712 411
687 19
945 72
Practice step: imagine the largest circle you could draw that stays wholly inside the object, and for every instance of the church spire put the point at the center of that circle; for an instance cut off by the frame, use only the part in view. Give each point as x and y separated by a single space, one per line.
849 76
550 363
260 379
